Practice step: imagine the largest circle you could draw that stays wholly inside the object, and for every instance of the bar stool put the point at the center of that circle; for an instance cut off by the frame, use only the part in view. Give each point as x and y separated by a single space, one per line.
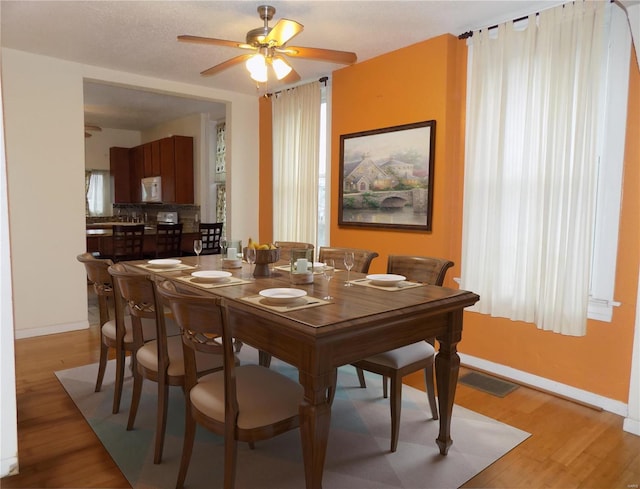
211 235
128 242
168 240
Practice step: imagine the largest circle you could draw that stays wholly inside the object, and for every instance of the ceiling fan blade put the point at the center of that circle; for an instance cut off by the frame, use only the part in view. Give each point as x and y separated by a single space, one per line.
91 127
283 31
330 55
226 64
211 40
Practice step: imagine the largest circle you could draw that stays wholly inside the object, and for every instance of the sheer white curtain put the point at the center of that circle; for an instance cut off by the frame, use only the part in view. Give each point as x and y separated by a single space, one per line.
99 193
296 134
531 167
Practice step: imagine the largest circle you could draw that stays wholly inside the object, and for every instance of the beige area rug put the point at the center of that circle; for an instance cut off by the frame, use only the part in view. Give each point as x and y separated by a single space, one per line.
358 454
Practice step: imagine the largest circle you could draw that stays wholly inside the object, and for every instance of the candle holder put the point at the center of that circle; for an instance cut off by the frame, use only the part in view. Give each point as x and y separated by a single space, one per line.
263 259
301 271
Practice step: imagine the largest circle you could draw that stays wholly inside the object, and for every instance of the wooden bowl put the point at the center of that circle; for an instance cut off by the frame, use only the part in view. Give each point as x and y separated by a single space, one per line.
263 259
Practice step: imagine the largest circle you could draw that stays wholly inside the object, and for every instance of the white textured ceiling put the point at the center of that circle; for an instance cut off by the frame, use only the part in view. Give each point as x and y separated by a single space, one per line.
140 37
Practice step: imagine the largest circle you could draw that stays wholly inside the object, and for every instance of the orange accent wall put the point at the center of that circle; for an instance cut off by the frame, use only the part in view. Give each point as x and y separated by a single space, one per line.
427 81
265 199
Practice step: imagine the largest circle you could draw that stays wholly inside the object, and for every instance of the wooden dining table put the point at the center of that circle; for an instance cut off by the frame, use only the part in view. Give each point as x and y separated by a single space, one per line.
358 322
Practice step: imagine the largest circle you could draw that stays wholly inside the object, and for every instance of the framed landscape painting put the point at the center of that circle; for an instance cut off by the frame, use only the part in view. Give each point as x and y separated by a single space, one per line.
386 177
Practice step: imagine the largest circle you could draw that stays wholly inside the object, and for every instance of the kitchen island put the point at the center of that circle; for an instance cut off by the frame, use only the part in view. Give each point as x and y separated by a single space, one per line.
99 239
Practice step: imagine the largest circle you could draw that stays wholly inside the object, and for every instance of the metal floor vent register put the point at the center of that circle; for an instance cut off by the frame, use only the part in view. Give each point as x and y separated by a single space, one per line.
488 384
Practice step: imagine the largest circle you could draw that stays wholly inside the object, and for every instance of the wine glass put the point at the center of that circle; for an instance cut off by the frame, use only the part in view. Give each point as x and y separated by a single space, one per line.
348 264
197 248
251 257
328 270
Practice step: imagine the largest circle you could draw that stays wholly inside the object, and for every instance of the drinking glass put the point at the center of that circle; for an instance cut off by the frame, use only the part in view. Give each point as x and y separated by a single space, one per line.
251 258
197 248
328 270
348 264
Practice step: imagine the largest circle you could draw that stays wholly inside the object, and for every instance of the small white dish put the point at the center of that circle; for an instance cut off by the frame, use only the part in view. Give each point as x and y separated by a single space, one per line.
211 275
386 279
282 295
231 263
164 263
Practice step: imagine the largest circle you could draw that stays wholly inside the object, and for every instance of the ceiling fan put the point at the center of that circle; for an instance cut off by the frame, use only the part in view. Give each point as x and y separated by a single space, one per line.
90 127
267 46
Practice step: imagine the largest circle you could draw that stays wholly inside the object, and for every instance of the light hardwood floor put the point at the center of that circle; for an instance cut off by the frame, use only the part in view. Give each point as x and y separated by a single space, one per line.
571 446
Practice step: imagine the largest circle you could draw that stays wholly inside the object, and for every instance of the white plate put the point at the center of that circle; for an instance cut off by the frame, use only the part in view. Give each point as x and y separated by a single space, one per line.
282 295
211 275
164 263
318 265
386 279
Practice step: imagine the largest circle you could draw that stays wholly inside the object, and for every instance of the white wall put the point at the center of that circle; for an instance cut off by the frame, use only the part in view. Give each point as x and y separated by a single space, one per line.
46 162
8 415
96 148
44 130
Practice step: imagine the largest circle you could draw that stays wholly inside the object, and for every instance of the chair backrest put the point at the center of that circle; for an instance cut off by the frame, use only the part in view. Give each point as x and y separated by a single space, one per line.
211 234
128 242
424 269
98 274
204 326
133 291
168 240
361 258
287 246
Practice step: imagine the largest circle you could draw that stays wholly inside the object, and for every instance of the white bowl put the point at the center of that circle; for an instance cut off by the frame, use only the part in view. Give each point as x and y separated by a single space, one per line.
282 295
211 275
386 279
164 263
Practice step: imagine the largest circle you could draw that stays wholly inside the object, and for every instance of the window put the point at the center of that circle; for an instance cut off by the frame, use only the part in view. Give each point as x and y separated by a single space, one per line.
543 172
98 193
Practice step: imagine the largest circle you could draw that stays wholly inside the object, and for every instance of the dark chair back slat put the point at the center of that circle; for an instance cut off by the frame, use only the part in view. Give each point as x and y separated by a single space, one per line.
211 235
168 240
128 241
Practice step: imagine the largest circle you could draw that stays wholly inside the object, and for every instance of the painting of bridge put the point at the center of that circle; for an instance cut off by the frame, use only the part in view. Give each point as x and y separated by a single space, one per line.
387 177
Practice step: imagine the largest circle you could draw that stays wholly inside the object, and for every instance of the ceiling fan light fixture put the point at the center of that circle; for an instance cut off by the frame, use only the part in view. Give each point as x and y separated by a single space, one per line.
257 67
280 67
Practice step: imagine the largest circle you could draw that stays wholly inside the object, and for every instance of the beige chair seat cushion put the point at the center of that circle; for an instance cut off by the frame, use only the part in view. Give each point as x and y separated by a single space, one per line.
147 356
264 396
148 329
403 356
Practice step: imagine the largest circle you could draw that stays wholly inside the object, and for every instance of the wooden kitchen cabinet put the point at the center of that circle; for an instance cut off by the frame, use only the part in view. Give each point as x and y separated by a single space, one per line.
176 169
120 168
170 158
151 152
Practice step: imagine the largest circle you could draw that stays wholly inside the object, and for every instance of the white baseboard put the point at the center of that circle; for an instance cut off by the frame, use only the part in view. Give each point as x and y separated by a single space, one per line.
54 329
551 386
631 426
9 466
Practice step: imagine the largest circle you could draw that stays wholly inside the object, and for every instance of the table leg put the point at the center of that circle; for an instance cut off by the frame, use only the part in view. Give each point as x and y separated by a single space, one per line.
315 419
447 367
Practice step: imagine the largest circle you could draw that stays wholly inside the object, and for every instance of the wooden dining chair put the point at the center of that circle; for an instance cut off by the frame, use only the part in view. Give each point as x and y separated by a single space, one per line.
286 247
245 403
128 242
168 240
98 275
361 258
159 359
397 363
211 235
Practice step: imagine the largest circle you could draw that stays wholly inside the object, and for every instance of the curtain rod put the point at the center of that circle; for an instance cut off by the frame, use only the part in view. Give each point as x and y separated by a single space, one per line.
468 34
324 80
